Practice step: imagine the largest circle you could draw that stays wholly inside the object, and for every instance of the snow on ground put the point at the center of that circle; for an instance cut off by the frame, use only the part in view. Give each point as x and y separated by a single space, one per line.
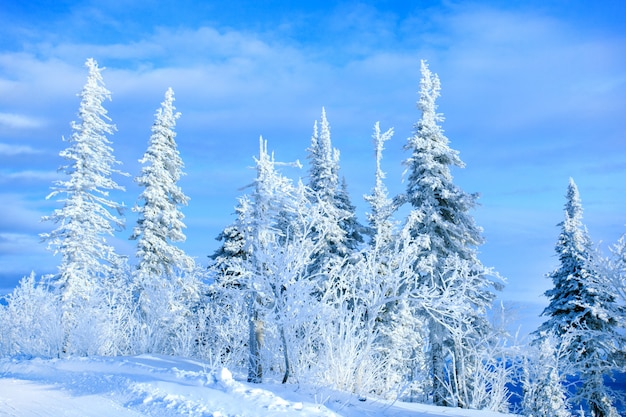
162 386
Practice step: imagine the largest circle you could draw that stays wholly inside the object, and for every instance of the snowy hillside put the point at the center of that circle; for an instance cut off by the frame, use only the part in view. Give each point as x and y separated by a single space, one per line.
162 386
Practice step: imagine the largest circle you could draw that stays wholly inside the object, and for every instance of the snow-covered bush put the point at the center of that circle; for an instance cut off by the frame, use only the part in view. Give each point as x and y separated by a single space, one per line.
30 323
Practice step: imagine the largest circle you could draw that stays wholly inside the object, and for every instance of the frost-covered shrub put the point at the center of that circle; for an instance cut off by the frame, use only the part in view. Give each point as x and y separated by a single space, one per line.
31 320
543 380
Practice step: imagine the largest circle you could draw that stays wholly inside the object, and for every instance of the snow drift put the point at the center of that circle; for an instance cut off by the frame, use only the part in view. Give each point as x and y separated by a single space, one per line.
162 386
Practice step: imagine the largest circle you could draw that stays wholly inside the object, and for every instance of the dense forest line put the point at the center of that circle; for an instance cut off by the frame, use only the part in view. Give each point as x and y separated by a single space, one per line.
300 290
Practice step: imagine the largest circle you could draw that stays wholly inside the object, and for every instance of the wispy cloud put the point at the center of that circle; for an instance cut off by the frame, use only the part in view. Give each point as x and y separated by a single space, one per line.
16 243
530 97
21 253
19 214
13 150
19 121
29 176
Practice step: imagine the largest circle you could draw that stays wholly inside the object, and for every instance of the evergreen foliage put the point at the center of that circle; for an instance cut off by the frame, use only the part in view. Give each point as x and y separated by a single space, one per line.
543 380
327 191
160 221
165 282
381 206
294 294
583 310
86 217
440 211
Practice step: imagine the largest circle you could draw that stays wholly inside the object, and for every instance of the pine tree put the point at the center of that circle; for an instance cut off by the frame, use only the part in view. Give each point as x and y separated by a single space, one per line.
543 380
386 268
233 246
160 221
260 219
163 269
614 268
382 207
328 191
582 309
441 212
349 222
86 217
324 165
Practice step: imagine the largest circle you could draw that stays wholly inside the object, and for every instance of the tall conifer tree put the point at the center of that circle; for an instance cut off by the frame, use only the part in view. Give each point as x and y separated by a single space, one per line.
164 280
88 215
342 230
160 222
261 222
382 207
582 311
440 211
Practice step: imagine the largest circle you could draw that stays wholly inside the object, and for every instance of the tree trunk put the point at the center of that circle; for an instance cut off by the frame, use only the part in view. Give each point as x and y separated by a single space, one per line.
438 363
255 367
285 354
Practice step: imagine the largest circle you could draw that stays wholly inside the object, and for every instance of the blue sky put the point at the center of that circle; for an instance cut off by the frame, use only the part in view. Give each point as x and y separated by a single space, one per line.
533 92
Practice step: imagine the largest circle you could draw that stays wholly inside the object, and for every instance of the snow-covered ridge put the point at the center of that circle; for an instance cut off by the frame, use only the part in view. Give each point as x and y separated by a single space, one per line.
162 386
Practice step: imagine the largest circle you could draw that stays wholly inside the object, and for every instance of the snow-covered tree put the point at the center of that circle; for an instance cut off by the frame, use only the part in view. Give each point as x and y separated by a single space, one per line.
88 215
160 221
329 191
233 246
224 340
543 379
381 206
384 274
324 161
614 268
583 308
260 265
617 270
163 269
117 330
442 212
348 222
30 323
378 286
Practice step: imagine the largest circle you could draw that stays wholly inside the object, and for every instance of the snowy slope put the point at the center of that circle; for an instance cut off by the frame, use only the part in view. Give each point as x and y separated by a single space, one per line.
161 386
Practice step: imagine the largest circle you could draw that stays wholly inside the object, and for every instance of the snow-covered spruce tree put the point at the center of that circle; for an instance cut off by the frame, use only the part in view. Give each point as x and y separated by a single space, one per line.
382 276
382 207
226 338
88 261
616 270
233 246
160 221
582 308
255 274
164 280
233 292
442 212
329 191
543 379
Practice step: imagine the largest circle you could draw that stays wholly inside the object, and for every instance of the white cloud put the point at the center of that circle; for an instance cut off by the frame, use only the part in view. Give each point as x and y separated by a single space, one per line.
20 243
29 175
20 214
517 87
19 121
528 69
14 150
